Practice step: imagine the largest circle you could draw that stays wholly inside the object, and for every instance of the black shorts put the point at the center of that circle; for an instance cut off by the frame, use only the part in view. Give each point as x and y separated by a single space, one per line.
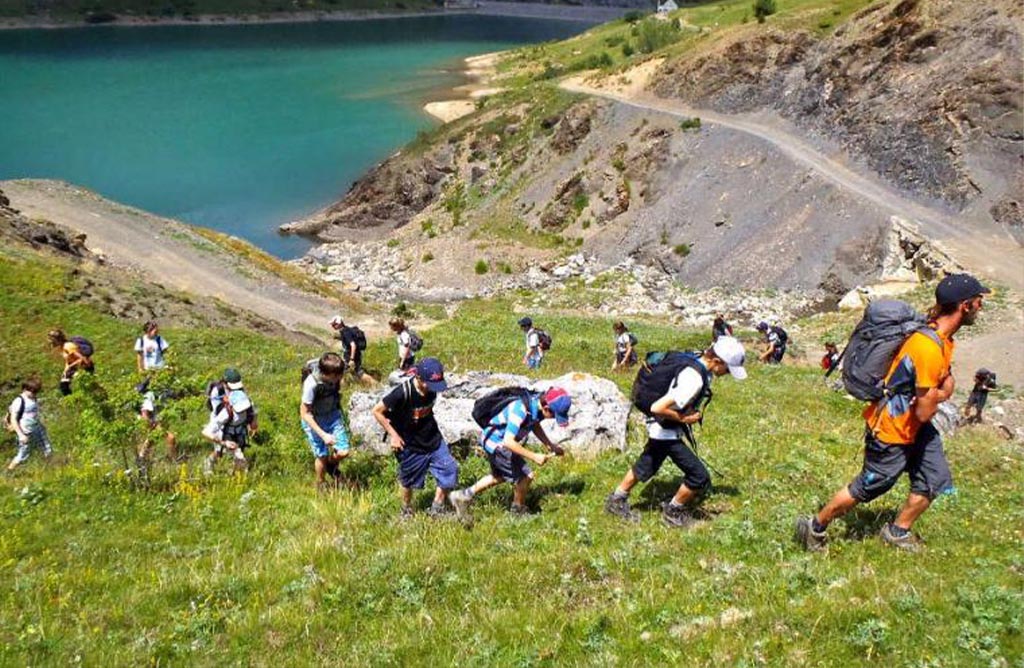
621 354
355 364
695 474
508 466
923 460
777 355
977 399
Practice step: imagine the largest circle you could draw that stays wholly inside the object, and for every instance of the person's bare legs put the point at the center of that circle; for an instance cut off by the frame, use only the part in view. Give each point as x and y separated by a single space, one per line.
520 490
840 504
683 495
912 509
628 482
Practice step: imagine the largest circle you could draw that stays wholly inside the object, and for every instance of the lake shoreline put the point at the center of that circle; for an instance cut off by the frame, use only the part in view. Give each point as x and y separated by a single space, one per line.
507 9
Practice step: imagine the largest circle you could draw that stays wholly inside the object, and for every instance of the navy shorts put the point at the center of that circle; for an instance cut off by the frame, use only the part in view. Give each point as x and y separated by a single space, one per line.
978 399
413 467
923 460
508 466
695 474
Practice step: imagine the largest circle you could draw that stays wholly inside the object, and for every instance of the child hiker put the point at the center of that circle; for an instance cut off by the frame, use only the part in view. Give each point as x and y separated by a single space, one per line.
24 420
321 415
232 421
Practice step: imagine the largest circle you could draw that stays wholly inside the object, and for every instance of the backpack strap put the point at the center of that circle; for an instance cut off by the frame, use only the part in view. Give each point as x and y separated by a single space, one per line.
21 410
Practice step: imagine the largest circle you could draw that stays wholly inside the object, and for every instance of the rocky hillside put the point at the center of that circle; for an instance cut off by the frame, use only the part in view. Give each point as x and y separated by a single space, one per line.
923 99
928 93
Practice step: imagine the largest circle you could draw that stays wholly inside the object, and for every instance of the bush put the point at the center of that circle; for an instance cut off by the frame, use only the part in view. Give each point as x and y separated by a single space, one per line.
627 50
633 16
505 267
593 62
393 243
763 8
481 267
580 202
403 311
428 228
427 257
653 35
682 250
455 201
690 123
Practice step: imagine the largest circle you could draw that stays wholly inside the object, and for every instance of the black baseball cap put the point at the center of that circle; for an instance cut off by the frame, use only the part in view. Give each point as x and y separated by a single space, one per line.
525 322
955 288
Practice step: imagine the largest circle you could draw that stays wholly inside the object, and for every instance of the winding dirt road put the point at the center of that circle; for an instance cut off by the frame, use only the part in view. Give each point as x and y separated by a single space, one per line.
981 246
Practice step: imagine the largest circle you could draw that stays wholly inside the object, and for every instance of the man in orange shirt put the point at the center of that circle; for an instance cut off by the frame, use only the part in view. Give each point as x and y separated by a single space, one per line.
899 435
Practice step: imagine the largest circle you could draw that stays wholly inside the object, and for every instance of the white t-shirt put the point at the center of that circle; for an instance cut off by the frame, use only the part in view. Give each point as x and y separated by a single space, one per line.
152 351
533 342
404 340
684 389
622 343
29 414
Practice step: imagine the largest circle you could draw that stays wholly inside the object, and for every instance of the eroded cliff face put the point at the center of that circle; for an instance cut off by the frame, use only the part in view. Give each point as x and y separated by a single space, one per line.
928 93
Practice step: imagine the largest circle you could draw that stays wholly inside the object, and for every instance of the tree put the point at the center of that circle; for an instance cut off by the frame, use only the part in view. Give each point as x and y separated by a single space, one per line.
763 8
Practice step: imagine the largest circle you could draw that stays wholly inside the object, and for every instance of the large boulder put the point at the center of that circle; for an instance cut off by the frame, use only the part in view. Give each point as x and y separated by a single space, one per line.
598 414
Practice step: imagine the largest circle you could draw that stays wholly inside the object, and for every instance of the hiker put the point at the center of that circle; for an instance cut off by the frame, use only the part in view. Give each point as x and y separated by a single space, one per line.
407 415
404 336
149 411
776 339
830 360
150 348
534 344
677 387
899 436
353 343
984 382
233 419
625 347
77 353
24 420
321 414
720 327
503 438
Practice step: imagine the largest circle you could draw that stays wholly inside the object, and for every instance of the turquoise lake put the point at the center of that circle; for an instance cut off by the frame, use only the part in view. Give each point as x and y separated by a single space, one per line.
238 128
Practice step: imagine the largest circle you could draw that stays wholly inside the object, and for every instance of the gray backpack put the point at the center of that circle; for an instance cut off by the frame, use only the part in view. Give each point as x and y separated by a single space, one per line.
874 343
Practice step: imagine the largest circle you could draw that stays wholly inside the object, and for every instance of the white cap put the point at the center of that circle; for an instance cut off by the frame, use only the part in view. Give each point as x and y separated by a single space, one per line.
730 350
336 321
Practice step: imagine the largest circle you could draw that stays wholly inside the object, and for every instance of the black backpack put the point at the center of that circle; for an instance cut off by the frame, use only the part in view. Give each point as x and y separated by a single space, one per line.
85 347
632 339
359 337
873 345
8 422
659 371
781 333
543 340
312 368
487 407
415 341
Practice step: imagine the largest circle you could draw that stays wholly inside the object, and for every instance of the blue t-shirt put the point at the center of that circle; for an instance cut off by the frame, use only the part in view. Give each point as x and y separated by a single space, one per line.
516 418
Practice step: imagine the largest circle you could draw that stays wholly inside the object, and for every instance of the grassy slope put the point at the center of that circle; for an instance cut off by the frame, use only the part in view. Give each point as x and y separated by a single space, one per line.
265 571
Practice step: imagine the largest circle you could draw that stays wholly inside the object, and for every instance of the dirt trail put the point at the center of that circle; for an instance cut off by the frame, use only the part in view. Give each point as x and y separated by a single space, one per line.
979 245
171 254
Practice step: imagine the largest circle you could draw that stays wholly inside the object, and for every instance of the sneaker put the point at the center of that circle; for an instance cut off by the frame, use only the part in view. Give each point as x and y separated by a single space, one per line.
811 540
460 502
908 541
619 506
518 510
406 513
677 517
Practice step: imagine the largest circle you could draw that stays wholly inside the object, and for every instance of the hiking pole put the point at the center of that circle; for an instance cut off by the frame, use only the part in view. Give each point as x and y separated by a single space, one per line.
693 442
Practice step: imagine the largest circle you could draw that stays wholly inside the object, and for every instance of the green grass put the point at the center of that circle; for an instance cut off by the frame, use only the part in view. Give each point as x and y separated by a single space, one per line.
261 570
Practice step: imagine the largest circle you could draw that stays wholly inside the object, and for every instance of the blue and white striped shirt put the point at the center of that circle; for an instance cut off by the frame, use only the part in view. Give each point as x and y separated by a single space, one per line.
515 417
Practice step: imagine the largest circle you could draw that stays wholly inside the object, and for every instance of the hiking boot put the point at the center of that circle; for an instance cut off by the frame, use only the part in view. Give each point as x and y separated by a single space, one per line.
811 540
438 510
677 517
460 502
907 542
619 506
406 513
518 510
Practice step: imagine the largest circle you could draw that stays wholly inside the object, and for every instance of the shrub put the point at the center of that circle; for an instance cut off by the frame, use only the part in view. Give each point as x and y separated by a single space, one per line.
428 228
586 224
690 123
633 16
455 201
393 243
403 311
653 35
619 164
481 267
505 267
682 250
763 8
580 202
627 50
427 257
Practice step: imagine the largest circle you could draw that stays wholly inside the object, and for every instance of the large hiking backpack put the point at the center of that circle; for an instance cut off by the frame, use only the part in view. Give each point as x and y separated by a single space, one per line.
543 340
487 407
632 339
415 341
85 347
659 371
875 340
782 334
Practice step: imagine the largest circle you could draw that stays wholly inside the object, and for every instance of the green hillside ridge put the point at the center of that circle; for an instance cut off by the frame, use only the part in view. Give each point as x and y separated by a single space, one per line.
262 570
